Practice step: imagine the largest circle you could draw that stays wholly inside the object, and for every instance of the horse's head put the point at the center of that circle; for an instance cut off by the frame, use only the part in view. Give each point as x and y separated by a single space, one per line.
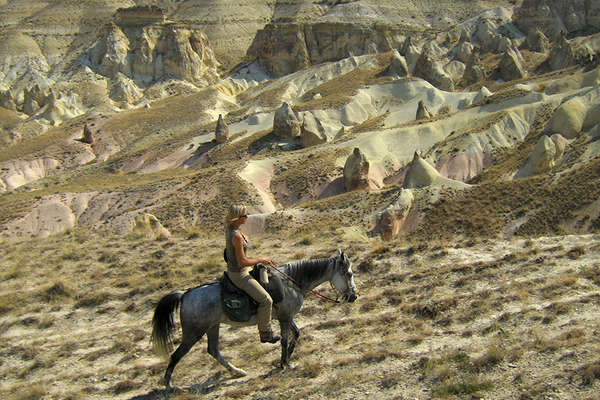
343 279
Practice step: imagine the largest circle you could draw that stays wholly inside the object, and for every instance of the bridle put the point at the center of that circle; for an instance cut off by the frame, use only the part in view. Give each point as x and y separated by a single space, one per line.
309 291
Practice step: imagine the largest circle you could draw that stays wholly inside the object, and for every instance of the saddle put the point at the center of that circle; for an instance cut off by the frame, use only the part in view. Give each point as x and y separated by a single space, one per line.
238 305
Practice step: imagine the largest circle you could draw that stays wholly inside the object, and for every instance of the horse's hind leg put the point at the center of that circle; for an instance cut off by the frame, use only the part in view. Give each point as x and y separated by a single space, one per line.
213 350
185 346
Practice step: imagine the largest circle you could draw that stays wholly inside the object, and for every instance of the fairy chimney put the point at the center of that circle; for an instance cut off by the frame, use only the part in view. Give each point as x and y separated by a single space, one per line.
285 123
356 171
88 136
422 111
221 131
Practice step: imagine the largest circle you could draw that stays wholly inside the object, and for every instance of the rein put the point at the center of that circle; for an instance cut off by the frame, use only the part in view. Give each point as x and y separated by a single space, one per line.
312 292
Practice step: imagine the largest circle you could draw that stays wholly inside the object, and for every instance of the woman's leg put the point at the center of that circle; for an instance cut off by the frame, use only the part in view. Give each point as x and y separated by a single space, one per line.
245 282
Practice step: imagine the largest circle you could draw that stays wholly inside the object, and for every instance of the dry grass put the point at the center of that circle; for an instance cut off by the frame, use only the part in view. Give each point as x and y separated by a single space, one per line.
412 328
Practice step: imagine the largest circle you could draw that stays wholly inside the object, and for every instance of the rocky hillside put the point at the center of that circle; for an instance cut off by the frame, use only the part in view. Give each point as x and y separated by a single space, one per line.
376 124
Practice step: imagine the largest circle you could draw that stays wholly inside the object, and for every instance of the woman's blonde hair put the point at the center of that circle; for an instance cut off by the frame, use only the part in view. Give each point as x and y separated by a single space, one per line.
235 212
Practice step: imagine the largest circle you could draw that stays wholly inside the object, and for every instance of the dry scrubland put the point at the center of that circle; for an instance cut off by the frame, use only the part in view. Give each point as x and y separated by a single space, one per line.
449 319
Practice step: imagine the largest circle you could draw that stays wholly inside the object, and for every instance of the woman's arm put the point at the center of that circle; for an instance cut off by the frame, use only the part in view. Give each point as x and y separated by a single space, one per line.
240 255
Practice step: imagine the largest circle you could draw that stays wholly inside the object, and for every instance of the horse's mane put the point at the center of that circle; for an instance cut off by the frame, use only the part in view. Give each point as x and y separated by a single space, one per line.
305 272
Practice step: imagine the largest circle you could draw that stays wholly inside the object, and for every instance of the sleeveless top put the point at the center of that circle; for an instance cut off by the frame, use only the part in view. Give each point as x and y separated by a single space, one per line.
232 264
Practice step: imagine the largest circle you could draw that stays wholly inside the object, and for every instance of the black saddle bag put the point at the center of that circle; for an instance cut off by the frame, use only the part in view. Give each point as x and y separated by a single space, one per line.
238 305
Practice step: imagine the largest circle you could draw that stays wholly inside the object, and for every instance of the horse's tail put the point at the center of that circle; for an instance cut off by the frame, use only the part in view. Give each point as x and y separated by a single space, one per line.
163 323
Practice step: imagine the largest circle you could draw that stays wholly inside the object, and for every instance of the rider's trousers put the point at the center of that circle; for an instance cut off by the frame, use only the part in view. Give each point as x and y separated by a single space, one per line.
244 281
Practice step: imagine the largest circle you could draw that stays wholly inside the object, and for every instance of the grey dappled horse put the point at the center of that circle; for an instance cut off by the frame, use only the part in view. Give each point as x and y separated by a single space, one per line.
201 310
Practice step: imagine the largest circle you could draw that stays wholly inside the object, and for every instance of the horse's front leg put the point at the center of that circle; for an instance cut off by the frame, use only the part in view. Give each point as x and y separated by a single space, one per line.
285 333
293 341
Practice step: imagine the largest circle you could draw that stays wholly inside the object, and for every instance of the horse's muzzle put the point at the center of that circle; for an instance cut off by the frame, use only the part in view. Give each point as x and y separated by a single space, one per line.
351 298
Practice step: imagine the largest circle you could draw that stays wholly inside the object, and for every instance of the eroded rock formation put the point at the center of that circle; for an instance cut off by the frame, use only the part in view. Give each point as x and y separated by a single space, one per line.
511 67
356 171
221 130
149 225
391 219
312 132
554 17
285 122
286 48
428 68
568 118
422 111
149 53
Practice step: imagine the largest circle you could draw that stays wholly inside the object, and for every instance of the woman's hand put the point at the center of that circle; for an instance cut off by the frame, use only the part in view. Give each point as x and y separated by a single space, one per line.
266 261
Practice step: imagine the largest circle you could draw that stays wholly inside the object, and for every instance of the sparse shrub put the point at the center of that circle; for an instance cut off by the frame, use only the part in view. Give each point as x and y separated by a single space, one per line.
55 292
575 252
34 391
462 387
311 369
366 266
125 386
306 241
591 273
494 355
590 372
92 299
108 257
392 379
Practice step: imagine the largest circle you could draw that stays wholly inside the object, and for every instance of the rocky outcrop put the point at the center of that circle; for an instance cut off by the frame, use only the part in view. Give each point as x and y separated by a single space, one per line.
544 156
124 90
510 67
422 111
592 117
391 219
474 70
356 171
568 118
562 54
455 70
432 71
286 48
88 136
285 123
398 66
20 172
537 41
411 52
149 225
462 51
422 174
7 100
221 131
312 132
554 17
150 53
483 93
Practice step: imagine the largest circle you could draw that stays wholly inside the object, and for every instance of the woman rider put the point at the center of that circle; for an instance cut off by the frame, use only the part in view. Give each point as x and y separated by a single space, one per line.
239 266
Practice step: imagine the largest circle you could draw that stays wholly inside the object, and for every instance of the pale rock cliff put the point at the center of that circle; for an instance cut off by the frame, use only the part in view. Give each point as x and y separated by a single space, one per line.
150 53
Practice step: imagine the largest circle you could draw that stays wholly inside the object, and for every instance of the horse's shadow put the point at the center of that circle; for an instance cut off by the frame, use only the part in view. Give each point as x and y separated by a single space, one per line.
209 385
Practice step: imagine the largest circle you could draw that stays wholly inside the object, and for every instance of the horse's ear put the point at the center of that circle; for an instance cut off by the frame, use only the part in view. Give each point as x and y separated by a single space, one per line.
340 253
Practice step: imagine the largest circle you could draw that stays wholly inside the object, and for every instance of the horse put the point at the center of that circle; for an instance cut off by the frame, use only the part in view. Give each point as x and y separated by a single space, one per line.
201 310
